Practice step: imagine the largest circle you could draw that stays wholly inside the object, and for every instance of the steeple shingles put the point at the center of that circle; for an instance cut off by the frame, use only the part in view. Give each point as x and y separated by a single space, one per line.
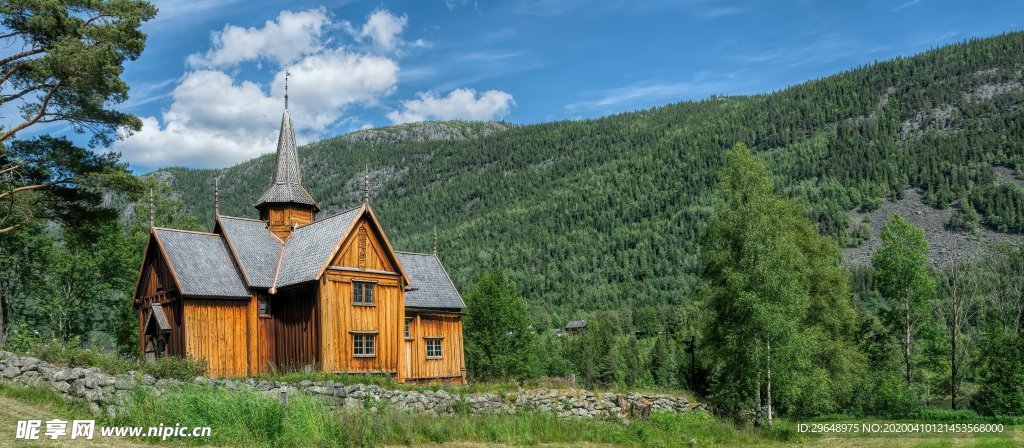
286 184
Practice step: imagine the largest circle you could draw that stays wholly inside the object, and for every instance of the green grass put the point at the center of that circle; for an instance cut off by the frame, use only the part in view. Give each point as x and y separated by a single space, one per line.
251 419
244 418
71 356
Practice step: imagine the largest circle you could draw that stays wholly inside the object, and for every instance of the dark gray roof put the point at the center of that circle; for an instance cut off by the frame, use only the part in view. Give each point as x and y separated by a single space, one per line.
202 263
258 250
160 317
576 324
286 183
433 288
310 247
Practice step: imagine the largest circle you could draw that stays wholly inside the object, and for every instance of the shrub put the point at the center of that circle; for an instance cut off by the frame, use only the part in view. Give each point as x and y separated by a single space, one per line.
184 369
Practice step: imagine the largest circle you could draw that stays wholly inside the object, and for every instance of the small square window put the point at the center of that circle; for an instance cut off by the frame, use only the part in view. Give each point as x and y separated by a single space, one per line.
364 345
433 349
362 293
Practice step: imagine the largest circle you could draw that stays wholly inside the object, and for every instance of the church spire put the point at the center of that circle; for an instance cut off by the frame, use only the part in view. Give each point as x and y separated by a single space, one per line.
286 203
286 181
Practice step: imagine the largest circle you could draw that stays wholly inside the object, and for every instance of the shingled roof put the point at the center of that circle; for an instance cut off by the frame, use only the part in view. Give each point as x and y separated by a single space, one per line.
286 184
202 264
257 249
311 246
430 286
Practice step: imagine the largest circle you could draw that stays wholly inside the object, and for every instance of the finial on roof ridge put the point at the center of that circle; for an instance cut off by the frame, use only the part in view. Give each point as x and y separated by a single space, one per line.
216 197
286 75
366 185
435 240
151 215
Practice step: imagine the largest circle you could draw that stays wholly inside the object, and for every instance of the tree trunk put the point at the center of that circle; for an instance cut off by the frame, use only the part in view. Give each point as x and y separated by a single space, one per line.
906 342
757 399
954 367
4 319
768 384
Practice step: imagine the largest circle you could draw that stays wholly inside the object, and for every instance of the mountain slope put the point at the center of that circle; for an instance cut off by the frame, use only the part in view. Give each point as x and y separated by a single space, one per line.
606 213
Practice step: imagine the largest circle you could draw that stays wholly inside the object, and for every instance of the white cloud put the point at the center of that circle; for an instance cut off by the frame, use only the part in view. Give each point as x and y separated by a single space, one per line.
322 85
382 32
291 36
214 121
461 104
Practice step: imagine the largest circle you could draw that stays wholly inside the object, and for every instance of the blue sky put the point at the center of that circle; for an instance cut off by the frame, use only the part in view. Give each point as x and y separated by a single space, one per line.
209 85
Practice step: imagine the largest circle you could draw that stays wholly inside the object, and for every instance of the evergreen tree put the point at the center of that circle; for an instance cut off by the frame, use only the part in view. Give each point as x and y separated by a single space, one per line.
500 344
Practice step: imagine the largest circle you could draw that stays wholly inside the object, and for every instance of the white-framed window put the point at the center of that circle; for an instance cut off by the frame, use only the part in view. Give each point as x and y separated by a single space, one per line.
364 345
408 333
362 293
433 349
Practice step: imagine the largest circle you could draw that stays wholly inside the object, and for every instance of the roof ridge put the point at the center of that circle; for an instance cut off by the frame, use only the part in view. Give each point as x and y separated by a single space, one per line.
186 231
240 218
415 253
331 217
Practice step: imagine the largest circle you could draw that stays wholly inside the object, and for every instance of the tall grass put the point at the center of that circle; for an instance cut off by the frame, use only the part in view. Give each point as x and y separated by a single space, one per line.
253 419
184 369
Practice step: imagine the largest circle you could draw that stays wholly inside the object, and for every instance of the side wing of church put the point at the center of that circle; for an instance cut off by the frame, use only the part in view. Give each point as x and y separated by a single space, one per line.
290 291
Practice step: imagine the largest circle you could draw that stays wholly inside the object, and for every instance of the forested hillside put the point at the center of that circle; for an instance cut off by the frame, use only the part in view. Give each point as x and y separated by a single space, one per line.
606 213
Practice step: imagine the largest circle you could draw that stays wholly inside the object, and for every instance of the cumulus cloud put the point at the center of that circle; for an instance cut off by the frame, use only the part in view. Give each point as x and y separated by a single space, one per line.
382 32
214 121
459 104
217 117
291 36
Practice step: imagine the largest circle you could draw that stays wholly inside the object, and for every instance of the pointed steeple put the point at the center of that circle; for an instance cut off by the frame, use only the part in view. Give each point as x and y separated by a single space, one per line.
286 183
286 204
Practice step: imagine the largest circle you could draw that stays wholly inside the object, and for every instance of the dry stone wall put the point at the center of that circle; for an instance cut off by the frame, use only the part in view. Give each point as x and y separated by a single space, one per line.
103 392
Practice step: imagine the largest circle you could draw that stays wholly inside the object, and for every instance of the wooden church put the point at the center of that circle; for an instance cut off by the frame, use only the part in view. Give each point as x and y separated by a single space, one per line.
293 291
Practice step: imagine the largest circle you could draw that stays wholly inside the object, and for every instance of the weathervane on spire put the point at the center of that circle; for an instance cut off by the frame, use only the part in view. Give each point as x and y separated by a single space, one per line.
286 75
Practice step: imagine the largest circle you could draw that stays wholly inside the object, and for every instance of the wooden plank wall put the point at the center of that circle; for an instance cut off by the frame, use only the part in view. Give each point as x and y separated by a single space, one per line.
156 270
448 327
340 317
365 254
295 334
217 331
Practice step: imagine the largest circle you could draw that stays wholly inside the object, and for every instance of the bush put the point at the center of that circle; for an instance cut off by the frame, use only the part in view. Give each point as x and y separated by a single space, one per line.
890 397
1000 375
184 369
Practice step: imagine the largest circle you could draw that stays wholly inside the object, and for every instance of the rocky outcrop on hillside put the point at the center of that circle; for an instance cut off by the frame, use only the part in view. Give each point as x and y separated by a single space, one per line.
103 393
945 243
426 131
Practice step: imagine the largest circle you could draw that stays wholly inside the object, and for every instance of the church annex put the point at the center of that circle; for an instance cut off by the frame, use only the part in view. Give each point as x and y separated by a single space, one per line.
293 290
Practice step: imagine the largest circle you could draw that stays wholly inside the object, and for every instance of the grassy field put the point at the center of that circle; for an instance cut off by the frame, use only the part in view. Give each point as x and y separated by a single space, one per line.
249 419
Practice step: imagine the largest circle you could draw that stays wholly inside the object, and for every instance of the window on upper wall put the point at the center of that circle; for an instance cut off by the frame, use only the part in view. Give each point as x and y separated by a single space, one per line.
433 349
362 293
264 306
408 334
364 345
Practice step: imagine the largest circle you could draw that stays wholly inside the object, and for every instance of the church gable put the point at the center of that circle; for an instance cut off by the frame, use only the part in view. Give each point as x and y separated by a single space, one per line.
364 249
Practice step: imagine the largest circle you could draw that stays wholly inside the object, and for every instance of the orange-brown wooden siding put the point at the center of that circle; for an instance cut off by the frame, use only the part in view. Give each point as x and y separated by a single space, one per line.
157 285
444 326
217 331
375 254
341 319
281 219
295 333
